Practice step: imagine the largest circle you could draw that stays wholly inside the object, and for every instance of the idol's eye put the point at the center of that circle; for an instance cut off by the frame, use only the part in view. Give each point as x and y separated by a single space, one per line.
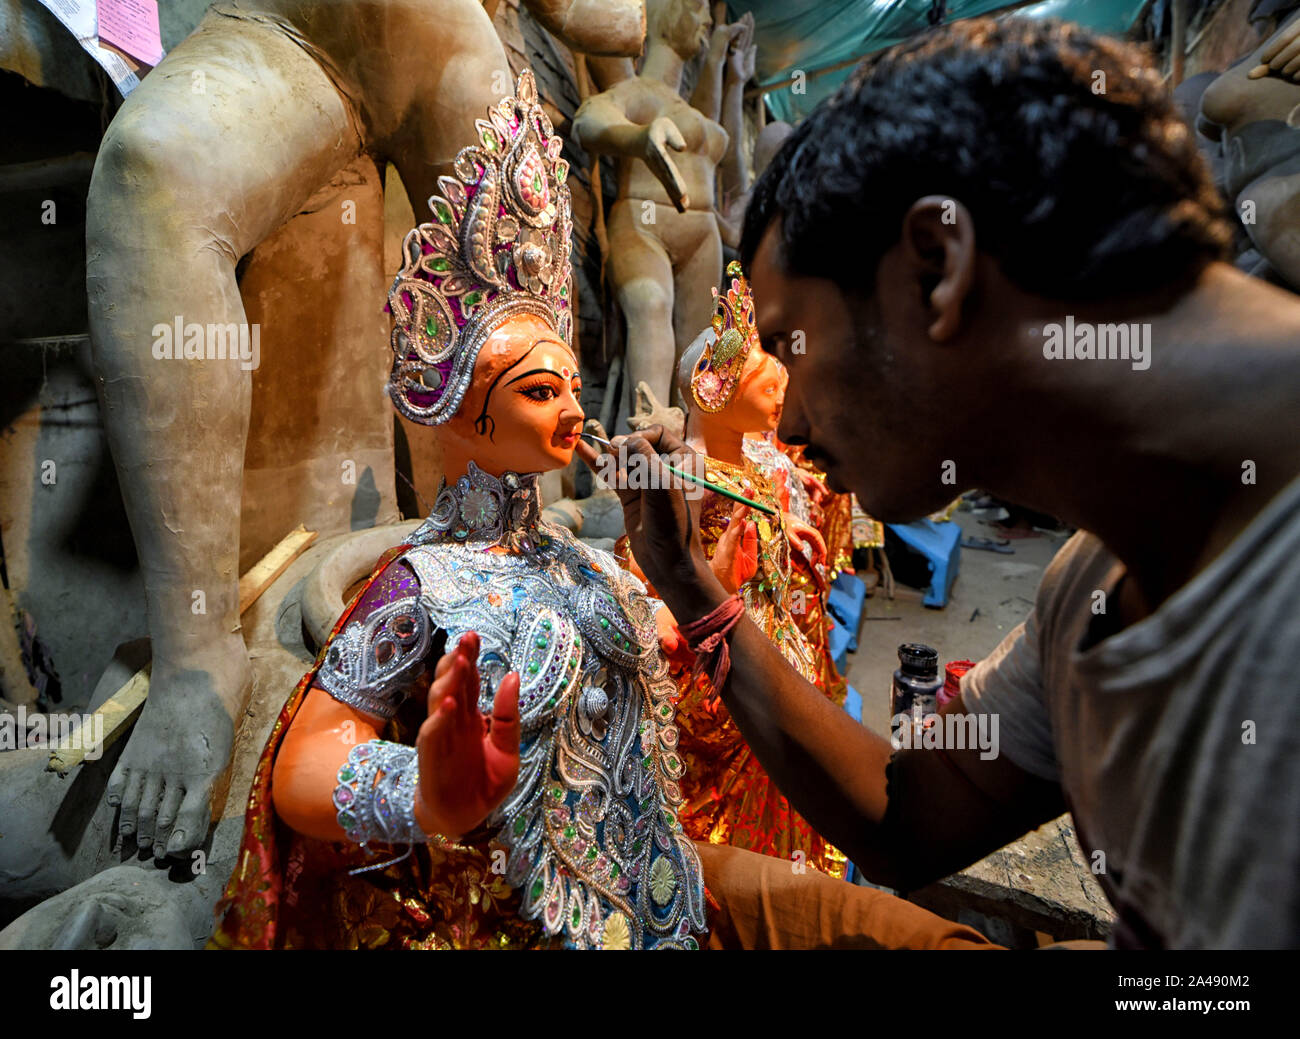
539 391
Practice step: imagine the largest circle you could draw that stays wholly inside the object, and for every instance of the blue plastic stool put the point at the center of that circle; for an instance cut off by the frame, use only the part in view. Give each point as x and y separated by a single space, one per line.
838 643
846 602
940 543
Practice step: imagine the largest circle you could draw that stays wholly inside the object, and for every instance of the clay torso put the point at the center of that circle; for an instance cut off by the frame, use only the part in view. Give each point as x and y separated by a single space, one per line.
706 143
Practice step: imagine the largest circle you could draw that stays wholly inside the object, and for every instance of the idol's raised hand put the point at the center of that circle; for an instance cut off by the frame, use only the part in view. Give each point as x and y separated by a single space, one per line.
468 763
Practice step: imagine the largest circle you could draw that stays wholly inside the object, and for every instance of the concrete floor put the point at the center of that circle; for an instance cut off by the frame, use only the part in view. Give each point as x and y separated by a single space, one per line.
992 594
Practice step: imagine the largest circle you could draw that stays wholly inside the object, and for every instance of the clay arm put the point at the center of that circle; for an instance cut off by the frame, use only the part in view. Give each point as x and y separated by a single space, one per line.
707 96
615 28
942 811
742 54
601 125
306 768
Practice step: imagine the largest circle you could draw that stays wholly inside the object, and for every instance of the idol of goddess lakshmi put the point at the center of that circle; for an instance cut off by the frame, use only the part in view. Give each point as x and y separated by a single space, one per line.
733 388
536 803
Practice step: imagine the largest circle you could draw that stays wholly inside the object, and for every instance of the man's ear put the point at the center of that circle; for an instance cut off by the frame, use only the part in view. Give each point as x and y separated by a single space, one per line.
938 239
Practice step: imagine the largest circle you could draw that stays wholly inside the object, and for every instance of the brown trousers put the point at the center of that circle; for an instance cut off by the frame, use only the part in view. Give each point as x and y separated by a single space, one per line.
760 902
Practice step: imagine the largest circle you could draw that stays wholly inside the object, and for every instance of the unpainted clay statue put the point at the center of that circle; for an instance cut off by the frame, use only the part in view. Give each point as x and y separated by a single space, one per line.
665 249
221 145
1253 110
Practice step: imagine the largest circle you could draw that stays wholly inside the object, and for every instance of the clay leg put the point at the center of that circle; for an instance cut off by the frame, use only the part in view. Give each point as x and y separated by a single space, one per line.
218 147
642 277
697 274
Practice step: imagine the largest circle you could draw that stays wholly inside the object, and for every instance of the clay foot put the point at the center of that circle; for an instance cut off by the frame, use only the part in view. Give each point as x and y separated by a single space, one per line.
126 907
180 747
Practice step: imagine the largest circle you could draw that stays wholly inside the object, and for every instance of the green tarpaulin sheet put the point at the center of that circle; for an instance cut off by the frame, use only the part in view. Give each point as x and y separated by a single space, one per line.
808 35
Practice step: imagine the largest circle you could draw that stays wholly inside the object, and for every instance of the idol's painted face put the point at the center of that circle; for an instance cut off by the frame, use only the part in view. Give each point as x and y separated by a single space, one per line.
521 412
756 408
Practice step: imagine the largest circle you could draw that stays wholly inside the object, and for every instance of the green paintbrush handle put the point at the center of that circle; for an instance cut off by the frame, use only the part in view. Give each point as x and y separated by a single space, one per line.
718 490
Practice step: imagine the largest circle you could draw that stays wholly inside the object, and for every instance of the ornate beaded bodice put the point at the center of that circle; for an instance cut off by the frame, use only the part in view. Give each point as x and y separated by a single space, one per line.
590 829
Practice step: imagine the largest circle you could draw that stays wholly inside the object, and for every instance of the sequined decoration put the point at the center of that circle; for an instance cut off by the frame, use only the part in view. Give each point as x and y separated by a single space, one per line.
594 854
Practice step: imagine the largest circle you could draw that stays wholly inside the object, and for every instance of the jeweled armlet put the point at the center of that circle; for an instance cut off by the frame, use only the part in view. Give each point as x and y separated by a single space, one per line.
369 664
375 797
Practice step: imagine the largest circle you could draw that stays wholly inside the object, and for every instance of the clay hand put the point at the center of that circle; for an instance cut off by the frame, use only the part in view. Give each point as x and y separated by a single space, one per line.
735 560
742 53
1282 56
720 42
650 412
656 140
818 493
671 641
468 765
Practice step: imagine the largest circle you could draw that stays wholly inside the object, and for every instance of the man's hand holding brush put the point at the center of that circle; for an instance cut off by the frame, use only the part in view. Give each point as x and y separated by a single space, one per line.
660 528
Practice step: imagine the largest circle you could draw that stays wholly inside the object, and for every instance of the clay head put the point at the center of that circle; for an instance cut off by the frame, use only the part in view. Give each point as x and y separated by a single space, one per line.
521 411
682 24
769 142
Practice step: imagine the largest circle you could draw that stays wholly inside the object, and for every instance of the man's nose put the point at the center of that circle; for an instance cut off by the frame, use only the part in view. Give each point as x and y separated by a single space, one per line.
792 429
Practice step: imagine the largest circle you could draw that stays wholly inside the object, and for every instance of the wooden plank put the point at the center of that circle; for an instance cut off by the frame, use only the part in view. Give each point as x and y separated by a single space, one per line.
118 711
272 565
1040 882
121 709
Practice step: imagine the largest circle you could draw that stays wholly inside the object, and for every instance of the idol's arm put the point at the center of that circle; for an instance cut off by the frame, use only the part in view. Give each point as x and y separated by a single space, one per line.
832 769
467 765
601 125
317 744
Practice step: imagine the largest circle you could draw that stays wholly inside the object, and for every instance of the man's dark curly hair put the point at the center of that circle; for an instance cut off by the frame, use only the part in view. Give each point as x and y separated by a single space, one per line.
1079 186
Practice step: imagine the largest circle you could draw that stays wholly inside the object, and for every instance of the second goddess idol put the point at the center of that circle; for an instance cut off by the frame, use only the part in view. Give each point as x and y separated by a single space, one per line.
526 625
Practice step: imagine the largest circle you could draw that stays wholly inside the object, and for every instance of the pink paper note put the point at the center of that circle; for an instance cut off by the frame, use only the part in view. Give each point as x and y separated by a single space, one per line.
132 26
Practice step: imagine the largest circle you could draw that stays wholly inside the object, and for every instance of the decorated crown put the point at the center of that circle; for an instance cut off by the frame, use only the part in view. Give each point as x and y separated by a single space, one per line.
498 245
714 381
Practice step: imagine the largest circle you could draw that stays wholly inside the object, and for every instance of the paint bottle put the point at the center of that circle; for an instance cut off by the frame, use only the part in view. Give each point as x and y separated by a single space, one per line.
952 679
915 692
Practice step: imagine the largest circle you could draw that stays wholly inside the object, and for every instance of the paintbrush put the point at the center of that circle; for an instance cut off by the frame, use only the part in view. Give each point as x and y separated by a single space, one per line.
695 479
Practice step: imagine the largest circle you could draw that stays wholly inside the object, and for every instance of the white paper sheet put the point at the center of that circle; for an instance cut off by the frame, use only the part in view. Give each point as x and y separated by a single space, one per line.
80 19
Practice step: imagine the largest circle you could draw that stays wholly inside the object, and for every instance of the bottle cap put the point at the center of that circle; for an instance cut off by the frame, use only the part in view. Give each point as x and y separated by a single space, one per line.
914 656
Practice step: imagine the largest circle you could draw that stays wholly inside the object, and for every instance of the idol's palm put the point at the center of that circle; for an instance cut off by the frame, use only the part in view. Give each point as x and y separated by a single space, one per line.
468 763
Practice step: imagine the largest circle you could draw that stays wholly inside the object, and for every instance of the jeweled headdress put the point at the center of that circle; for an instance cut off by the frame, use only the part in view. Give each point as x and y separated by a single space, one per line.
498 245
714 381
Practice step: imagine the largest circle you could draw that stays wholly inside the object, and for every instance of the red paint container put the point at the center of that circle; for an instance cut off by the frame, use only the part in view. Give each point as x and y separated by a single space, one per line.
952 679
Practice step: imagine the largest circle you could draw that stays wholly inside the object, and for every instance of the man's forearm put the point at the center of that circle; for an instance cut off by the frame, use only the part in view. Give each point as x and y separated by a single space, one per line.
831 768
